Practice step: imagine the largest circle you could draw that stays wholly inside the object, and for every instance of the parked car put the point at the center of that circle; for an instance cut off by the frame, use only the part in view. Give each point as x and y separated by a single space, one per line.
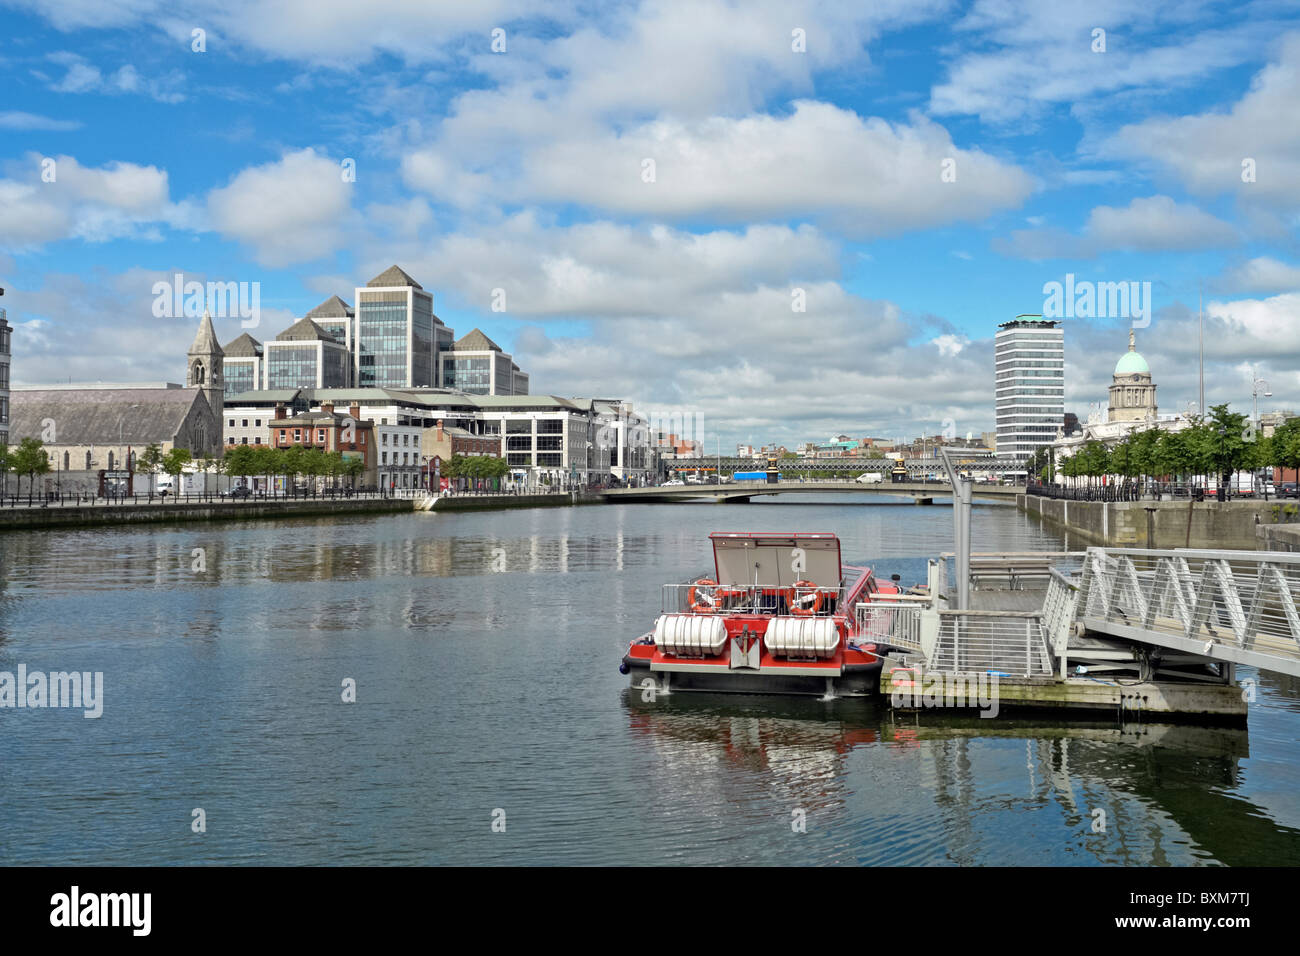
240 491
1288 489
870 478
674 481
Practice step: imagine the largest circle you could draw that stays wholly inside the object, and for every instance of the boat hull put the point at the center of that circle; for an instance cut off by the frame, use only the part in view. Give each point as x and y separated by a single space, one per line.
850 680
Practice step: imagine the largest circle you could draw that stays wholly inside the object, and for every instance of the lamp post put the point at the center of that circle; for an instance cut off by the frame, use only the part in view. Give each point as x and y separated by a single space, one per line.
1255 384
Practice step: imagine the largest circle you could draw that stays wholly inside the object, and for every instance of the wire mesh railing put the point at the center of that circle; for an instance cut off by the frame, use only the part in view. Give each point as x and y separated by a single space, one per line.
1243 600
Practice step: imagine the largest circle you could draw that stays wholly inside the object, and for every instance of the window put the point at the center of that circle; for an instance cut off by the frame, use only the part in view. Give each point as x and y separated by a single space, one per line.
243 441
297 434
243 423
231 441
257 441
88 462
383 438
383 458
110 461
516 426
232 423
283 432
320 435
550 426
258 423
66 464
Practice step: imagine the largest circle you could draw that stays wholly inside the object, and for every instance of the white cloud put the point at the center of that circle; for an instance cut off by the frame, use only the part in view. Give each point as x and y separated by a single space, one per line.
1261 274
867 176
1150 224
96 204
296 209
1206 151
18 120
1026 56
84 77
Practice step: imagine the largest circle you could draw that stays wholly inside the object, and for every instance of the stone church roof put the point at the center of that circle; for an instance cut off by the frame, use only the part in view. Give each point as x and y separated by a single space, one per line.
93 416
205 342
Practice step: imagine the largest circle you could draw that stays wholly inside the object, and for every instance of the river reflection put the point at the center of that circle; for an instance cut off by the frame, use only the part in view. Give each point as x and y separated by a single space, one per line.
485 649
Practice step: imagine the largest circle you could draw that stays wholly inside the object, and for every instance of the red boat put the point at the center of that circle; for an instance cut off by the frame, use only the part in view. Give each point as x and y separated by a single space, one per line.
777 616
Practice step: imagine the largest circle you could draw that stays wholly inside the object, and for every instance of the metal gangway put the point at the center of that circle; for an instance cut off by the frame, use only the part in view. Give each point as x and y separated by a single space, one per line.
1160 612
1234 606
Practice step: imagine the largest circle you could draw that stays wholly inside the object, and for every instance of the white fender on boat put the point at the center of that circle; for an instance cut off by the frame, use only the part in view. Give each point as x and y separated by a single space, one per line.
690 635
802 637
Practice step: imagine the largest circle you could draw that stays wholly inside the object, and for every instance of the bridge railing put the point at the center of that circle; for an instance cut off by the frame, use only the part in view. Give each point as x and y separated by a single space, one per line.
1244 603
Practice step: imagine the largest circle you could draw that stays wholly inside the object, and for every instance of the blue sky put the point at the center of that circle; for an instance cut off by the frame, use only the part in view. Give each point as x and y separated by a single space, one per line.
1115 157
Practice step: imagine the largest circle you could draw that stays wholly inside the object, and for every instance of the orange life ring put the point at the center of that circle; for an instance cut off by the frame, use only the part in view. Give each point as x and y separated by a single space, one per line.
816 596
699 607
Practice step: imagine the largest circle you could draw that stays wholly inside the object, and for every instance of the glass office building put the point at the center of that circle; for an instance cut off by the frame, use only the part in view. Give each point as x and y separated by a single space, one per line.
335 318
1029 361
397 338
478 366
305 356
243 365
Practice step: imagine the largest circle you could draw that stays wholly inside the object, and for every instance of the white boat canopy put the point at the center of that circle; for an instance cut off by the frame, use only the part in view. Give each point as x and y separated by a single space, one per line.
776 560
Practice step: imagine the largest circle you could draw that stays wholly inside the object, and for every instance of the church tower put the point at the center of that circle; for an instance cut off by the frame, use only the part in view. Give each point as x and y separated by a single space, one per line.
205 372
1132 392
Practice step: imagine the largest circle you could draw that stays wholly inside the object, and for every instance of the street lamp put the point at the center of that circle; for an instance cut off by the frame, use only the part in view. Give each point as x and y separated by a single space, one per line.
1255 383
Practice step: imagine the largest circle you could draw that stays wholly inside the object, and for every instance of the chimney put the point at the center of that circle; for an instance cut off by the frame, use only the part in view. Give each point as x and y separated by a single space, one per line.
355 412
327 408
279 410
440 435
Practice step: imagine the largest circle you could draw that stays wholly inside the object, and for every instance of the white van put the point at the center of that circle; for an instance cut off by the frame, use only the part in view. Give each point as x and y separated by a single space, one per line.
870 478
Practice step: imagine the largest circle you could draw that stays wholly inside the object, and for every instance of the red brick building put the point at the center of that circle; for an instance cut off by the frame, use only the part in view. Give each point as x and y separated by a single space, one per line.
329 431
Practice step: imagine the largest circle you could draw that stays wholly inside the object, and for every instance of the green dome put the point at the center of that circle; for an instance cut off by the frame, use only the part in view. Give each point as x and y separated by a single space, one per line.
1132 363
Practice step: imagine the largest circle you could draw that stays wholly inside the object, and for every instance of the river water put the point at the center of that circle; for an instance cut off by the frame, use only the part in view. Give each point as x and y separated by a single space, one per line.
484 649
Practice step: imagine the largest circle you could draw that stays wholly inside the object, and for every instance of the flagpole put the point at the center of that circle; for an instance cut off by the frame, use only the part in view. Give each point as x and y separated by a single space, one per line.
1200 320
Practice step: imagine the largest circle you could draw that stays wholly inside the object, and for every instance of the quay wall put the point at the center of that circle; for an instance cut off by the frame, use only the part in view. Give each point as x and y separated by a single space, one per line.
67 516
1278 537
498 502
1161 524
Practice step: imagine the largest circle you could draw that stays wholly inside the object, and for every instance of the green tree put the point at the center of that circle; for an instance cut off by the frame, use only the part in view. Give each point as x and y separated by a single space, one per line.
30 459
173 463
353 468
149 462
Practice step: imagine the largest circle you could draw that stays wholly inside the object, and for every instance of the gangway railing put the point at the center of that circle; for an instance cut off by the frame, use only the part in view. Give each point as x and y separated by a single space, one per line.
1237 606
895 619
1009 643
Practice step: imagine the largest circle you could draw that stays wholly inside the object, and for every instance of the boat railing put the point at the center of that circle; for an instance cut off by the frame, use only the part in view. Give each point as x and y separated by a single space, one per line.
693 597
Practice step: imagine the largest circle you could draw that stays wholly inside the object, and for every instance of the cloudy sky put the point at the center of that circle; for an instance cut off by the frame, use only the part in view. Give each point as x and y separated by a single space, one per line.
657 186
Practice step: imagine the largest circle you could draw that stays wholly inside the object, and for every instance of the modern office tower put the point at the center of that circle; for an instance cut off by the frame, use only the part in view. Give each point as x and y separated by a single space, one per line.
4 379
477 365
336 317
243 362
1029 358
396 339
305 356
